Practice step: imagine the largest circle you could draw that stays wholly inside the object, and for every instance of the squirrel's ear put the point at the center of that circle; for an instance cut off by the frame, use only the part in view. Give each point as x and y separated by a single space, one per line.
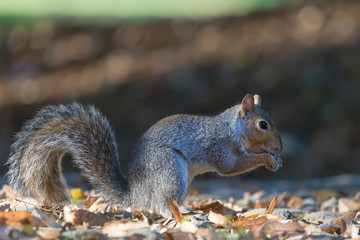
257 100
247 105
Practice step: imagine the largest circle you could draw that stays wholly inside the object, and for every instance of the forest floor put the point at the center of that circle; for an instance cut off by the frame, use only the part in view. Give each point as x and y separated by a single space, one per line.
323 208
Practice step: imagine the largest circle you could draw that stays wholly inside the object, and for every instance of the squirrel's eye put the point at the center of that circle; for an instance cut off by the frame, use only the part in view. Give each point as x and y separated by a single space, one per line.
263 125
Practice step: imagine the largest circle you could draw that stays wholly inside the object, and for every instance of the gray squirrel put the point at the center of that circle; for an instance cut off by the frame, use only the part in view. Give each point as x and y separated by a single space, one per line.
166 159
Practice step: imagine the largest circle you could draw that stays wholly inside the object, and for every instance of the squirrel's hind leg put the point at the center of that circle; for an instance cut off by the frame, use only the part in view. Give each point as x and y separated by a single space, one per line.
165 177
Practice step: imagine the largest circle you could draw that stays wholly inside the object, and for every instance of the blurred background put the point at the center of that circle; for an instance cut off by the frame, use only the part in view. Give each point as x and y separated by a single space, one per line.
139 63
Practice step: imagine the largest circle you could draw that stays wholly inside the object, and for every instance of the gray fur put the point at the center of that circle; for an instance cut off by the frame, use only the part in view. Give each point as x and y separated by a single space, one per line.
86 134
165 161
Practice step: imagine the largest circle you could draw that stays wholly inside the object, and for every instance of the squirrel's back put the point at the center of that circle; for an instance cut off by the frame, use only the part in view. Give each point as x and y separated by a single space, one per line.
190 133
36 154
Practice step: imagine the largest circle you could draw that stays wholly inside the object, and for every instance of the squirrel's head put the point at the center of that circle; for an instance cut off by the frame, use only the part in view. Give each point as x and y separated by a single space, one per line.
260 132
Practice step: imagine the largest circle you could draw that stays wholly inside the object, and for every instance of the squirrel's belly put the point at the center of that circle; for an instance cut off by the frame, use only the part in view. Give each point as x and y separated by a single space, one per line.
197 169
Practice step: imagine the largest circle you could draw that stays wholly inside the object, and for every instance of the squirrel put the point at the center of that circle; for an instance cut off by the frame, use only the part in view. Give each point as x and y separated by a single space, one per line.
165 160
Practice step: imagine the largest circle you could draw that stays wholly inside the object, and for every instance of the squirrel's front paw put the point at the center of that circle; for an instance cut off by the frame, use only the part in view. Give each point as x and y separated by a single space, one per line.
275 162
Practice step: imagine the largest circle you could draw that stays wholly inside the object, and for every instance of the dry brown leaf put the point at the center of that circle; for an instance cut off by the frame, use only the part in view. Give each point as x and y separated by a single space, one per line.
258 204
310 228
250 222
98 204
275 229
49 233
247 195
342 226
44 218
208 234
347 218
282 196
324 194
273 218
294 202
90 218
272 205
215 206
90 200
16 218
187 226
176 235
219 219
257 195
347 205
80 216
330 228
119 228
69 215
176 211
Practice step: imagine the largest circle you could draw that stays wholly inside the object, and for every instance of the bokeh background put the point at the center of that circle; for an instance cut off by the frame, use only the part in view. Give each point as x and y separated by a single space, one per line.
139 63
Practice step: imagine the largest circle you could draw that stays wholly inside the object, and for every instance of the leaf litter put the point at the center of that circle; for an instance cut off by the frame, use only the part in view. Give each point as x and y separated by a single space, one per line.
320 214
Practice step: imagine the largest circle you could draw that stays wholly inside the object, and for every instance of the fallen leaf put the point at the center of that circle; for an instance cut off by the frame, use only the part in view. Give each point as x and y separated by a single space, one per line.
77 193
90 200
330 228
176 235
294 202
69 215
215 206
90 218
258 204
219 219
188 226
325 194
276 229
342 225
206 233
250 222
310 228
257 195
347 205
80 216
282 196
16 218
98 204
176 211
119 228
44 218
347 218
49 233
272 205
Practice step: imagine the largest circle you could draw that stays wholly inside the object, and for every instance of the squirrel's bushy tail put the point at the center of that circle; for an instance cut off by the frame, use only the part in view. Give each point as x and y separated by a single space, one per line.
35 156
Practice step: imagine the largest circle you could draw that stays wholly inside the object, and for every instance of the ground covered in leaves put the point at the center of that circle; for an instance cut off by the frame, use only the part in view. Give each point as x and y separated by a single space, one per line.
232 209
